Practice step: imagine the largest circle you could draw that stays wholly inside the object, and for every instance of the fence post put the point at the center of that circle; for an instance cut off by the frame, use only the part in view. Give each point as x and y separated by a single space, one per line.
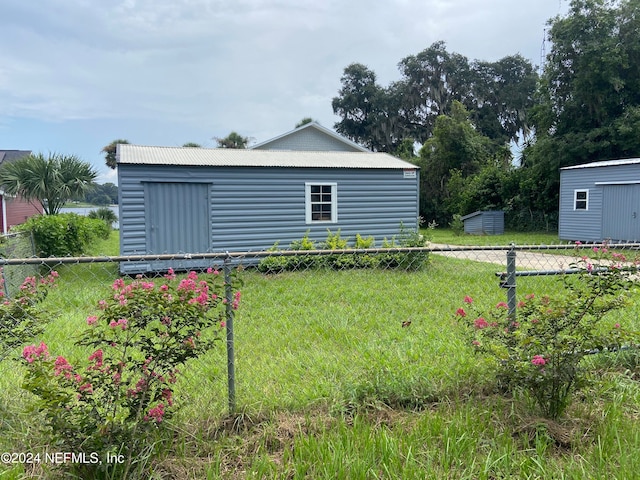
511 281
231 375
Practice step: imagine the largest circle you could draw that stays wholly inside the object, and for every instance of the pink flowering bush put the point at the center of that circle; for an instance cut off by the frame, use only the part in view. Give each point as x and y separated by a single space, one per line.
21 318
540 350
141 336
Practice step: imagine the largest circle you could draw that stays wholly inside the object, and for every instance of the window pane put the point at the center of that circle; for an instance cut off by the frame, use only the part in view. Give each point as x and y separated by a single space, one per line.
581 195
315 188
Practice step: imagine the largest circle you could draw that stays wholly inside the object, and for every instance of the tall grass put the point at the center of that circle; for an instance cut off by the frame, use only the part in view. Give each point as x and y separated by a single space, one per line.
330 384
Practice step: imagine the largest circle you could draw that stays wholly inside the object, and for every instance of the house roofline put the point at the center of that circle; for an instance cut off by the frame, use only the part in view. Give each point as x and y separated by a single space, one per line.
318 127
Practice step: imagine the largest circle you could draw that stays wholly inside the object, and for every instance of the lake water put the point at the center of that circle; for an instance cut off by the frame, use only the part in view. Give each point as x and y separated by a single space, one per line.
85 211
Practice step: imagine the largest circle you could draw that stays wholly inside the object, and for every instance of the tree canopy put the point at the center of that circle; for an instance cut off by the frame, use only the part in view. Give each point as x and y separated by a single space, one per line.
233 140
588 106
497 96
467 115
110 153
51 181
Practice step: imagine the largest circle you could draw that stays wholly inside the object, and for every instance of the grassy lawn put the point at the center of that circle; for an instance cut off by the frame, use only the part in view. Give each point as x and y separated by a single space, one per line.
448 237
331 385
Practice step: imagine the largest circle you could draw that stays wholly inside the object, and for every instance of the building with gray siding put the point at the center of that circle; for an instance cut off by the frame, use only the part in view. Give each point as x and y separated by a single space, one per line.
600 201
489 222
197 200
311 137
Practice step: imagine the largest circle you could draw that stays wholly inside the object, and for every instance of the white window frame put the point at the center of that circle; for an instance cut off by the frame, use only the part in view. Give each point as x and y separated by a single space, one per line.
585 200
308 203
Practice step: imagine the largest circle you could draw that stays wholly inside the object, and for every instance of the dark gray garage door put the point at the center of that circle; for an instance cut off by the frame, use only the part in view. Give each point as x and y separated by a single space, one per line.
620 212
178 219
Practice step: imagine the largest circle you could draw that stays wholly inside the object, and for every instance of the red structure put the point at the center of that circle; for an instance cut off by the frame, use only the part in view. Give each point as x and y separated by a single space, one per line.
14 210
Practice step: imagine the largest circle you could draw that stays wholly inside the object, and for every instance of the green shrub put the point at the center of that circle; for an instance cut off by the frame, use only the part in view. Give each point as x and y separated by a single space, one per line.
343 261
457 225
540 350
105 214
116 402
63 235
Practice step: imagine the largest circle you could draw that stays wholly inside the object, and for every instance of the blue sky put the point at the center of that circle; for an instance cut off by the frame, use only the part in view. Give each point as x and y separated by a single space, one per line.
77 74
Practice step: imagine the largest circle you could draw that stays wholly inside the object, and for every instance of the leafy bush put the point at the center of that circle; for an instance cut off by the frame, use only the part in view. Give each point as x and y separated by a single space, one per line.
66 234
105 214
340 261
20 317
116 401
457 225
540 350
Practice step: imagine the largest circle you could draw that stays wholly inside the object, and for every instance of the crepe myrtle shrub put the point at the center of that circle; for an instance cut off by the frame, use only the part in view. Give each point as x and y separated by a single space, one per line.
142 335
21 315
540 350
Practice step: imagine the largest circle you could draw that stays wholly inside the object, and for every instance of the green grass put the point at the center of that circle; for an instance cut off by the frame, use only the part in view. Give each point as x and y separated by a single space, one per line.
331 385
448 237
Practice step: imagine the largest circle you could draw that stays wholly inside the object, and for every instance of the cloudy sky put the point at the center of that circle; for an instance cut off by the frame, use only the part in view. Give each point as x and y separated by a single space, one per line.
77 74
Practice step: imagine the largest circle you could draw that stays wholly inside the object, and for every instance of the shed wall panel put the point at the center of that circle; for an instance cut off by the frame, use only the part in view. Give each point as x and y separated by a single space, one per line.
252 208
587 226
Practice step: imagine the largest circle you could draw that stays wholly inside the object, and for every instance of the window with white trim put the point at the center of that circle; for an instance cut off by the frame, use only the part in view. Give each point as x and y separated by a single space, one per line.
321 202
581 199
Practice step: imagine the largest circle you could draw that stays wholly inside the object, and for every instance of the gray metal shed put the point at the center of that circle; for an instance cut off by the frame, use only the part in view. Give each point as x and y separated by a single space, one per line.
489 222
600 201
197 200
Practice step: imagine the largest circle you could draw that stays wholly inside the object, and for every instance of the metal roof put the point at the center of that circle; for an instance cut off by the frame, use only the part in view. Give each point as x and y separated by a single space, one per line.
229 157
605 163
11 155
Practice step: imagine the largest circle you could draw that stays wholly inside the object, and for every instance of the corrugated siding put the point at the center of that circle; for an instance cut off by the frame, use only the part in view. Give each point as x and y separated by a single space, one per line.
308 139
473 225
621 208
587 225
253 208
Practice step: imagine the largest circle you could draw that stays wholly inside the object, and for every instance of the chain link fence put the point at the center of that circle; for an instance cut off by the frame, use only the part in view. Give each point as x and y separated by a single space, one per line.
306 300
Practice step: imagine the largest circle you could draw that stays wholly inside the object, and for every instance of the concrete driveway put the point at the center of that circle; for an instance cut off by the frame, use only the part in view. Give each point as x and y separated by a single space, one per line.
525 260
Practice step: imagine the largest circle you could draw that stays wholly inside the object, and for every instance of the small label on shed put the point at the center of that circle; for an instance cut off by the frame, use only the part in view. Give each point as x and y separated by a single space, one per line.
409 173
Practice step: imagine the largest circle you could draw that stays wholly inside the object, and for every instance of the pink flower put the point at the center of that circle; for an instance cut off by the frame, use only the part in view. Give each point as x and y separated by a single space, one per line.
461 312
62 366
530 296
155 413
86 388
120 323
502 305
97 358
480 323
468 299
617 325
102 304
223 324
475 343
118 284
31 352
92 320
538 360
578 243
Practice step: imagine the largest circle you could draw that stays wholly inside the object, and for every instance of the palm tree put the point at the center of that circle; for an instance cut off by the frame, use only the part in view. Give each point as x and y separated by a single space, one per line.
50 181
105 214
110 153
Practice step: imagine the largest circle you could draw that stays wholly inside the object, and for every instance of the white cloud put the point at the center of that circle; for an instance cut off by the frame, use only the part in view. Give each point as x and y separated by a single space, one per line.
255 66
